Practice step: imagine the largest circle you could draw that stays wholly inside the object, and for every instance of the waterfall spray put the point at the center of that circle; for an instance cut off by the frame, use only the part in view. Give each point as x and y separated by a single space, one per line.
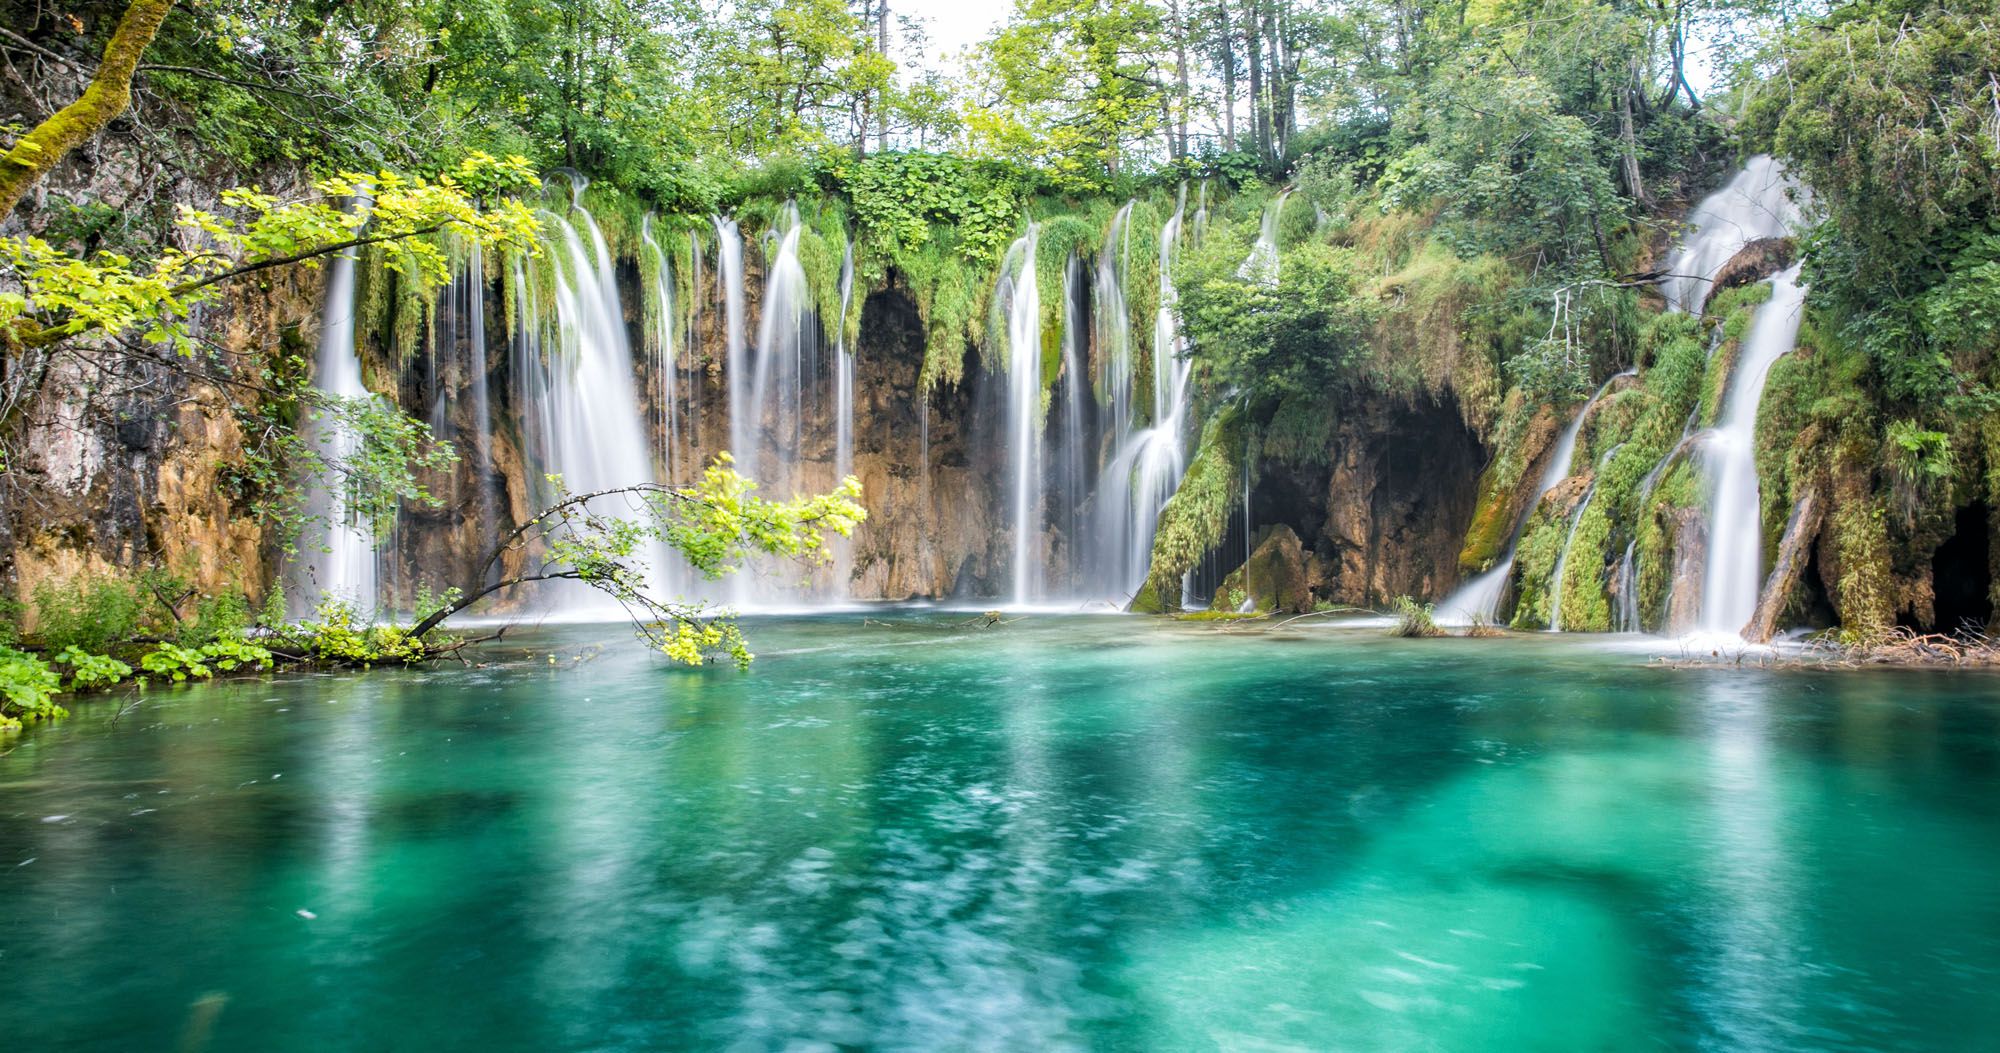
1735 536
587 409
1019 297
341 565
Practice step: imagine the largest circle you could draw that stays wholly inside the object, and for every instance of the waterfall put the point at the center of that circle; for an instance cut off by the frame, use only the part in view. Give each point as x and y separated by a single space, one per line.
1477 600
586 406
768 433
1754 204
1147 464
1076 455
1017 307
735 364
1262 264
768 393
482 399
1113 318
843 378
1735 536
843 427
666 358
1569 540
462 414
1628 590
340 563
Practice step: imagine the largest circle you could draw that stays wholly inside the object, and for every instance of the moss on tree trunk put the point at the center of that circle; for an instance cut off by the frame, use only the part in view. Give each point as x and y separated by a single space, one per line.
109 93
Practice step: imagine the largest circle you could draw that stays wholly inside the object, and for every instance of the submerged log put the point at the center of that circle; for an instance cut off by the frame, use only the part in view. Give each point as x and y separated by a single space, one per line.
1800 530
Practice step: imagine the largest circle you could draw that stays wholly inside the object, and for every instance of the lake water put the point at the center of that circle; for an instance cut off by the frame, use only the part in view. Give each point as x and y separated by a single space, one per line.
904 831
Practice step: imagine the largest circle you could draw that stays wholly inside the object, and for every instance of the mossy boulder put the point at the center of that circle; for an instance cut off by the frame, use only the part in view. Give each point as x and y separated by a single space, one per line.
1755 262
1277 579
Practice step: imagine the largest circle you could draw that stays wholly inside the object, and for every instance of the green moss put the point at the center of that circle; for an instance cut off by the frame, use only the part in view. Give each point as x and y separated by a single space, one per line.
1195 518
1534 566
1493 519
1585 600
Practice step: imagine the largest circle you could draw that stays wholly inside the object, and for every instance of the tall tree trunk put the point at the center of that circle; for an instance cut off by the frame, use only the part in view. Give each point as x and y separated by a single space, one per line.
1628 135
882 45
1180 129
1253 36
1227 37
107 96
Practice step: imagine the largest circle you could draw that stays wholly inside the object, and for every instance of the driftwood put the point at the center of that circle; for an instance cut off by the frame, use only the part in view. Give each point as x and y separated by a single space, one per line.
1800 531
1897 647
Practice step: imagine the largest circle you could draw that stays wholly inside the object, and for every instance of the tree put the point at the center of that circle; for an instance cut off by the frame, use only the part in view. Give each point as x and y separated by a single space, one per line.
38 152
715 524
1069 85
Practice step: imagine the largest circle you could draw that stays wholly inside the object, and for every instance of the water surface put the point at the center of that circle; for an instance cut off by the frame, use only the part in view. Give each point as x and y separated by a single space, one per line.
903 831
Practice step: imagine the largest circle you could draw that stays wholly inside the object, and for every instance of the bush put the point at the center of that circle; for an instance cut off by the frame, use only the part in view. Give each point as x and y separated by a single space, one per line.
1415 619
229 654
27 689
176 663
90 672
91 615
336 633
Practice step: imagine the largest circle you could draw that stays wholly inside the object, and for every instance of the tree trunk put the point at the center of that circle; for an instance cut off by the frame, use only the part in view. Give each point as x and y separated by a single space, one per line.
1800 531
1228 43
882 45
1628 136
1253 36
1179 131
107 96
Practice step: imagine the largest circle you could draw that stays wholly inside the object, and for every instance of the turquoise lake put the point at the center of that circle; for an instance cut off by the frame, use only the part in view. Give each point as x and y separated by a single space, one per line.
904 831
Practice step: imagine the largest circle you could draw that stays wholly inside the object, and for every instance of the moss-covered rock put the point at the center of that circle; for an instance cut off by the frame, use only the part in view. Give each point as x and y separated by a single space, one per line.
1277 579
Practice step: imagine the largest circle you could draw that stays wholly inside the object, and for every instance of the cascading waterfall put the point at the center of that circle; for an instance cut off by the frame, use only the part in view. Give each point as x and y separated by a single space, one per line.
1017 306
1146 466
340 563
1756 203
768 433
843 402
1753 205
1628 590
1075 454
1735 535
588 412
1262 264
1113 325
457 363
1569 541
1477 600
843 375
666 359
729 280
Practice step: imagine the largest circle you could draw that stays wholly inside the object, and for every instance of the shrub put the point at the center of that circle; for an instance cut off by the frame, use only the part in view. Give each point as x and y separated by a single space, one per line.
233 652
336 633
90 672
1415 619
176 663
27 689
89 614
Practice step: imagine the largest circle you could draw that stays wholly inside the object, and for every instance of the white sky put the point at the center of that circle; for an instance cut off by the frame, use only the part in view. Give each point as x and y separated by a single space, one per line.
952 24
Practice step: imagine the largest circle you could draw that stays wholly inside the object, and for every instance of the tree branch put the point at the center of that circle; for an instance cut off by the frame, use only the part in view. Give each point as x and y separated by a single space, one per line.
107 97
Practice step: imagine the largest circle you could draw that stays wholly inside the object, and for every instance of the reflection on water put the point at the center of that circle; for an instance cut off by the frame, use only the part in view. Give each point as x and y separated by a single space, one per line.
903 833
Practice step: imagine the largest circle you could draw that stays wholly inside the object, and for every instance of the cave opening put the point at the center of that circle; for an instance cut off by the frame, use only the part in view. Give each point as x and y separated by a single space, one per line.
1962 574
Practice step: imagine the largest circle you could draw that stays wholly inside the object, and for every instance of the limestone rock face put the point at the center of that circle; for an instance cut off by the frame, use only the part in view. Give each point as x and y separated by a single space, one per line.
1387 515
1690 542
